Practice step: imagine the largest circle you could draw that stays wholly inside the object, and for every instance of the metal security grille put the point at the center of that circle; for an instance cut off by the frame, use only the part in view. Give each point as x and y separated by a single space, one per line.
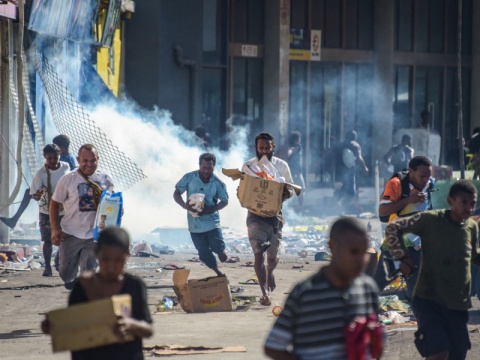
73 120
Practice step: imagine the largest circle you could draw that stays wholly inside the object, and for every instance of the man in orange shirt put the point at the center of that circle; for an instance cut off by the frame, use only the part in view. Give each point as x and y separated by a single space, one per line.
399 201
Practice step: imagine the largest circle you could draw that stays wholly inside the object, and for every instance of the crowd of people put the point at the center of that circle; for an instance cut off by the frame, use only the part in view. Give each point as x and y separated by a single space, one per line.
434 250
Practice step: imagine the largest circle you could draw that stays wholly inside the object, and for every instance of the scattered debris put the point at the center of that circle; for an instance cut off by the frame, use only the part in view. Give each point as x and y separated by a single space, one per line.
190 350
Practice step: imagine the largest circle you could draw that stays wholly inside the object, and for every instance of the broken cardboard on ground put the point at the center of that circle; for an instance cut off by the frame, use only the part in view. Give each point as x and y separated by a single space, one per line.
210 294
260 196
89 325
190 350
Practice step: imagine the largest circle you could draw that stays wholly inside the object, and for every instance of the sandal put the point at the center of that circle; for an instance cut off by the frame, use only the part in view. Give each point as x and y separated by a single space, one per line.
172 267
252 281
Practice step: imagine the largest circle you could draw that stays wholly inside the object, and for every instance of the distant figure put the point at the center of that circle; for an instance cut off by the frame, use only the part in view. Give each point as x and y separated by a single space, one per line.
474 149
400 155
319 310
426 122
63 142
295 162
350 156
204 226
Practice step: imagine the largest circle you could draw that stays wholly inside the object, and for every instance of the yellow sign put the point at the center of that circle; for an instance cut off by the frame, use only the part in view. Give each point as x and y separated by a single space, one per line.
298 54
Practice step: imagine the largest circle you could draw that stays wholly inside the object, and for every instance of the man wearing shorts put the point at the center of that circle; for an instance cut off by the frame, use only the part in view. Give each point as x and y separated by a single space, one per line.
79 192
204 224
265 233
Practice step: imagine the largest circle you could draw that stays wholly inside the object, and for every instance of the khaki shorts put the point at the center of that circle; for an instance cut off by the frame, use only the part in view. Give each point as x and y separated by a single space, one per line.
264 238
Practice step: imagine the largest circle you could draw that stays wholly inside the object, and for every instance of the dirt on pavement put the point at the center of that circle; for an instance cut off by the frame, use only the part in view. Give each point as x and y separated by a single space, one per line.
26 296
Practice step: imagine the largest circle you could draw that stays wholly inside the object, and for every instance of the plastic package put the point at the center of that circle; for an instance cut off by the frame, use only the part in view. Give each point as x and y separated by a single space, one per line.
109 212
196 200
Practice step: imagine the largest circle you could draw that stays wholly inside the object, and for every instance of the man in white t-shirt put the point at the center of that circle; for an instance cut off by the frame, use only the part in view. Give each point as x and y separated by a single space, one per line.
79 192
265 233
42 188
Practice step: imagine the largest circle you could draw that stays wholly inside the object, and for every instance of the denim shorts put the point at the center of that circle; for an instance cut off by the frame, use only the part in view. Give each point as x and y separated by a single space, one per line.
440 329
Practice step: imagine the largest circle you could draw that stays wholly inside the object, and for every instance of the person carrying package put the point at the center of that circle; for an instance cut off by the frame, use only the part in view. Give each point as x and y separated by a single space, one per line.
42 189
206 196
441 298
112 252
406 193
320 311
265 233
79 192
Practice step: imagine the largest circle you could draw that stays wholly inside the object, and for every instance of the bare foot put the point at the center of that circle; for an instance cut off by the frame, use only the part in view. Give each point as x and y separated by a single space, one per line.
271 283
222 257
265 300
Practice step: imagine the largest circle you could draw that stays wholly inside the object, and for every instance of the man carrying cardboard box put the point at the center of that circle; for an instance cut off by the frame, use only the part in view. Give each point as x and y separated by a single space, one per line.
265 233
203 218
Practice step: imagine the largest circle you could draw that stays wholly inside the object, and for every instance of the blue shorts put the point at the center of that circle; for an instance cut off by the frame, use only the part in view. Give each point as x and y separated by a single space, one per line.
440 329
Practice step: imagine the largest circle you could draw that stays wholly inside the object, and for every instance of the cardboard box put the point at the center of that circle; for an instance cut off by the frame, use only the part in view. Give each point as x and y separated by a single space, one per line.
88 325
211 294
260 196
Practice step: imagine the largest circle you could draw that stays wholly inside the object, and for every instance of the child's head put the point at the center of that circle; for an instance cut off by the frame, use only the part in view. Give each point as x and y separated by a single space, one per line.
63 143
112 251
462 199
349 245
51 153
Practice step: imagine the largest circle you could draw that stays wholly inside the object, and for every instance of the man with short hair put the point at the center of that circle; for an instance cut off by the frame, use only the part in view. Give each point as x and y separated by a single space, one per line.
79 193
400 155
63 142
265 233
204 224
319 311
395 203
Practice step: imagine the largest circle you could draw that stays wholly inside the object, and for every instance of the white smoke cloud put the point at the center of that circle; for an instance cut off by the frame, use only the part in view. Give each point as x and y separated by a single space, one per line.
165 152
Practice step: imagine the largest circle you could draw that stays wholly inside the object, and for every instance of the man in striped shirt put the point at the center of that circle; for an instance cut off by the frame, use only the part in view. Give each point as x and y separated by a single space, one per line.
318 310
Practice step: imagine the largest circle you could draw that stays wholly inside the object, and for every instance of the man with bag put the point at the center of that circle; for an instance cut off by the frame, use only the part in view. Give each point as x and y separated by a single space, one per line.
79 193
265 233
404 197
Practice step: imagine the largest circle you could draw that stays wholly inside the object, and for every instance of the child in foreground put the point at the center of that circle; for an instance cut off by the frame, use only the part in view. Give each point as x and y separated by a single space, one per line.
441 297
318 312
112 252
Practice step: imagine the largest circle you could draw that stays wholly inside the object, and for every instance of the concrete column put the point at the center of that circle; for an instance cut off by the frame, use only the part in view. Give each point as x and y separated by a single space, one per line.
276 69
384 76
475 91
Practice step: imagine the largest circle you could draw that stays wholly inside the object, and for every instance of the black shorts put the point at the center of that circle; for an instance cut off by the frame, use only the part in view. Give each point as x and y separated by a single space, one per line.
440 329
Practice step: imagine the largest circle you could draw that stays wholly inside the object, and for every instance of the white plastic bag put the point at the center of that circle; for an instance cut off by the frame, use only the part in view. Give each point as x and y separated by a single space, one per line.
196 200
109 212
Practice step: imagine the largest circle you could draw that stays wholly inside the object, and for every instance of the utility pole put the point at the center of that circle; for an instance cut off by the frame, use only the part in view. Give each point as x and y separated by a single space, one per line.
5 51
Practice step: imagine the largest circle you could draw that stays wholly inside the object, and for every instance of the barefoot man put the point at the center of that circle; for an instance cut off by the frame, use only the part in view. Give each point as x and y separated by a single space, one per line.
265 233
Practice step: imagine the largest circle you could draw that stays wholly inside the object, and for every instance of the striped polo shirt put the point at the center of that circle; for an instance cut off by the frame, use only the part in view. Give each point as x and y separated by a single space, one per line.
315 315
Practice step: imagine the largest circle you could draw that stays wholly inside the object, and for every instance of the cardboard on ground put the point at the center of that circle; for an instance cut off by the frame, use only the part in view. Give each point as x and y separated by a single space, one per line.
260 196
89 325
202 295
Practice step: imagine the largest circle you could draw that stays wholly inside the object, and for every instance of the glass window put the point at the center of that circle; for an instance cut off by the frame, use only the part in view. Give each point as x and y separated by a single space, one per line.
213 102
248 20
404 28
365 24
402 100
333 24
436 31
214 32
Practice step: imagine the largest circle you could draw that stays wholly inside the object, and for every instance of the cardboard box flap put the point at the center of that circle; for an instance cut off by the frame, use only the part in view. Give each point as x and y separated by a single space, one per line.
236 174
180 277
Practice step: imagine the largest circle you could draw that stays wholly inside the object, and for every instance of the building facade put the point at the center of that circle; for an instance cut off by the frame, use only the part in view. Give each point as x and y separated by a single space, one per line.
217 63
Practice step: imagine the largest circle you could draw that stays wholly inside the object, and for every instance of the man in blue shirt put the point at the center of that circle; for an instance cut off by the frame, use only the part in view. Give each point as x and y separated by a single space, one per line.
63 142
204 224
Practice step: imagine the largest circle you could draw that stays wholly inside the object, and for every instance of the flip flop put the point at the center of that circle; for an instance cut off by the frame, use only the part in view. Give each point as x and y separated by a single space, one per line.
298 266
195 259
248 264
236 290
252 281
172 267
233 259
